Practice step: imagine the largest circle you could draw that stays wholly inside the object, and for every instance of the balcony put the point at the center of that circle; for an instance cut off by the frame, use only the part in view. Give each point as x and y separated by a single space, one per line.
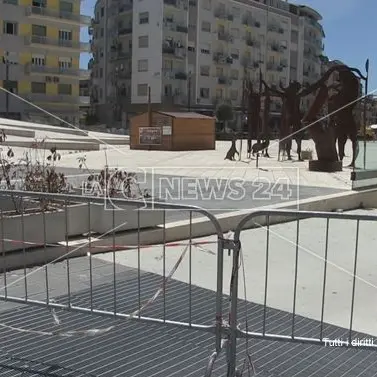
125 8
175 49
58 16
221 58
222 14
84 100
275 47
118 55
224 36
173 3
123 75
252 42
125 30
223 80
180 75
170 25
247 21
57 43
56 71
58 98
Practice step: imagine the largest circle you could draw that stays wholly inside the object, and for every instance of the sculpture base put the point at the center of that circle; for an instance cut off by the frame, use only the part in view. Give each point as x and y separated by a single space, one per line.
325 166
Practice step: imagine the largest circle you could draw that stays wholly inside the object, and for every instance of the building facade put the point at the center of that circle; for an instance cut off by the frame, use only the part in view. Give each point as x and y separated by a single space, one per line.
194 54
40 52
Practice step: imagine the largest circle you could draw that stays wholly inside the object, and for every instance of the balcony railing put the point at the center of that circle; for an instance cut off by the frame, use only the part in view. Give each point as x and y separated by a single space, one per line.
169 24
68 16
125 8
179 52
223 80
222 14
180 75
58 98
173 3
114 55
60 43
224 36
30 68
222 58
125 30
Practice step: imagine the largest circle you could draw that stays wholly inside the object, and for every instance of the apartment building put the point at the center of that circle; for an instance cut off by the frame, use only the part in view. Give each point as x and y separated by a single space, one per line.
39 58
194 54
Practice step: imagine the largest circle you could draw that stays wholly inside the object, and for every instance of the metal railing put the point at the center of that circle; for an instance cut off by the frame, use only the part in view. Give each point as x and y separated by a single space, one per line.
60 43
30 68
68 16
38 229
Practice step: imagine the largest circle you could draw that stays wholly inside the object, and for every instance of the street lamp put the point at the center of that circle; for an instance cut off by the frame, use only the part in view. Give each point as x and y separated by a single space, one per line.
6 63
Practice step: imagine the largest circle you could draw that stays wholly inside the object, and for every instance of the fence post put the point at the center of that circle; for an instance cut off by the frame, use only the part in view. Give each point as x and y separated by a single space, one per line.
219 292
233 327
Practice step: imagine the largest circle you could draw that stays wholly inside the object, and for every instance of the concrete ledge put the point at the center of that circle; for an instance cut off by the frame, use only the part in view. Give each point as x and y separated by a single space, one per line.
14 131
59 144
41 127
202 227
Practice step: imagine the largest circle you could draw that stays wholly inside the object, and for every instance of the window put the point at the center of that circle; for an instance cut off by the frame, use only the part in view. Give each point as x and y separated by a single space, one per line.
142 65
233 94
143 41
142 90
144 18
100 93
102 32
13 2
65 35
38 87
66 7
219 93
38 30
204 70
102 11
10 28
101 73
38 60
65 63
206 26
65 89
11 86
204 92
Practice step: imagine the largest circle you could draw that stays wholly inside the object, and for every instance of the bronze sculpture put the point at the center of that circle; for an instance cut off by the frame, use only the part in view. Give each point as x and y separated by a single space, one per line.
291 115
342 124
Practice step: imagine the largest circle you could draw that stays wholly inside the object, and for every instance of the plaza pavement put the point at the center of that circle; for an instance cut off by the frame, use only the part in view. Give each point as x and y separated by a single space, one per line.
212 164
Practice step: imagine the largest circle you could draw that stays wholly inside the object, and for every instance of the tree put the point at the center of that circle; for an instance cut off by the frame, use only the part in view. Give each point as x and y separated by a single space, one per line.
224 113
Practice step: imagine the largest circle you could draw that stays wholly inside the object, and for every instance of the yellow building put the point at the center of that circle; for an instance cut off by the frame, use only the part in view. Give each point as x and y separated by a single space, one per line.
40 52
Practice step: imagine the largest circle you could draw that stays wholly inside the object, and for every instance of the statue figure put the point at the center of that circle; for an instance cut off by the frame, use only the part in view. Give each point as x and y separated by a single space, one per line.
341 108
291 114
252 101
342 124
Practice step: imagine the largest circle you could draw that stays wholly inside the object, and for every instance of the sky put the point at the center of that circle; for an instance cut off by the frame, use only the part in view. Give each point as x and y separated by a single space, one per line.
349 25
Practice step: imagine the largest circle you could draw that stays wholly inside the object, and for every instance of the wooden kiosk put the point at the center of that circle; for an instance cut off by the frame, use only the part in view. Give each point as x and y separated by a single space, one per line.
172 131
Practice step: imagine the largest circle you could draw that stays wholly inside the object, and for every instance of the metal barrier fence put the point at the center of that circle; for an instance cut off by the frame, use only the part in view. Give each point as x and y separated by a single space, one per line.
40 229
